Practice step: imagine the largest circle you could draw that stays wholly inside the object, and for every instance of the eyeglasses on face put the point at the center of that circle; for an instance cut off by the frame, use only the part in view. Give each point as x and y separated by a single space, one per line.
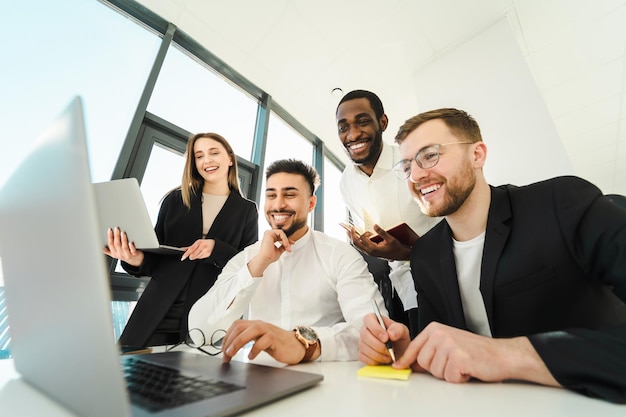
426 158
195 339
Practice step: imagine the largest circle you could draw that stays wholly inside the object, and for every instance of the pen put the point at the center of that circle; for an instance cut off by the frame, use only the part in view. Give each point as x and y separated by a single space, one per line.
382 324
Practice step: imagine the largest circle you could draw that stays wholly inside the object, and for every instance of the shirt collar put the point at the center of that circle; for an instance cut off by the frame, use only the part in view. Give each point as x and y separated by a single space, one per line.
385 160
302 241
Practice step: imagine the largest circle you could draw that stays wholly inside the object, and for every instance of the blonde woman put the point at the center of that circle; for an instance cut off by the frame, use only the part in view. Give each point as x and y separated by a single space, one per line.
208 216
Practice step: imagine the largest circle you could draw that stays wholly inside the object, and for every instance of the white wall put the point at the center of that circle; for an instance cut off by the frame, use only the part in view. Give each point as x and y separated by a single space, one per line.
487 76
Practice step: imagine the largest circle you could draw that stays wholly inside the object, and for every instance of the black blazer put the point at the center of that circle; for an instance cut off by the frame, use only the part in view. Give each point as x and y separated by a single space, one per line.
554 252
234 228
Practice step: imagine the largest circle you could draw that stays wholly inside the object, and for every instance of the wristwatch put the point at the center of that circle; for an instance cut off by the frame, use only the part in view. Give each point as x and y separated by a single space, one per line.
308 337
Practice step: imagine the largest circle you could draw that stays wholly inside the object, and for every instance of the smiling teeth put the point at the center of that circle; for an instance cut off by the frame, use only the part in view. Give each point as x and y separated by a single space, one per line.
357 145
280 217
430 189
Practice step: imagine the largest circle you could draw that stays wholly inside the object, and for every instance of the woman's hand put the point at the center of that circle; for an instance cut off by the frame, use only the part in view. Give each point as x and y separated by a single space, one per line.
120 248
201 249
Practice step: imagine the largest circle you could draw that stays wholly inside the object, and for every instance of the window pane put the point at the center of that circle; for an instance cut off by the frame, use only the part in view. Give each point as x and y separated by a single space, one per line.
193 97
163 173
121 311
61 49
334 208
4 321
282 142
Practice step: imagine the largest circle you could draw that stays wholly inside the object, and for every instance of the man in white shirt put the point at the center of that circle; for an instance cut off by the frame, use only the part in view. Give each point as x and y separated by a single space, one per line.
303 293
376 198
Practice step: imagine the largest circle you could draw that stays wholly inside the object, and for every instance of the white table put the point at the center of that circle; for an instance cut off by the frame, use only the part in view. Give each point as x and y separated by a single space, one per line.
343 393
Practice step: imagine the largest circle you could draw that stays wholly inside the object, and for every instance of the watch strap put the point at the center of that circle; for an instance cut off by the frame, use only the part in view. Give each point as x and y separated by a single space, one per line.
310 351
310 346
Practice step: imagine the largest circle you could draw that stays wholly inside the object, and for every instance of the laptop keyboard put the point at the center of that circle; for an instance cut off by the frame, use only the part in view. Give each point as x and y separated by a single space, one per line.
155 388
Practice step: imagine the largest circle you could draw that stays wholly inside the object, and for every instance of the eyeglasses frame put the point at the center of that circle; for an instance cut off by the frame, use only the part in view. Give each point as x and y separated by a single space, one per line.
403 175
216 344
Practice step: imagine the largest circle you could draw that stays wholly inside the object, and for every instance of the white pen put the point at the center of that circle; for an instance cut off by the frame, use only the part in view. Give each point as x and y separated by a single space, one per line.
382 324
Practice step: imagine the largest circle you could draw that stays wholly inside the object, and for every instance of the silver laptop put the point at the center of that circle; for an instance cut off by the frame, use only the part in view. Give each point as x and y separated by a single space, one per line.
119 203
58 296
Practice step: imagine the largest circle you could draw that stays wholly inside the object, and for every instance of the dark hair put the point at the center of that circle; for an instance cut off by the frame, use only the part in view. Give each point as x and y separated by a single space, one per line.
375 102
294 166
458 121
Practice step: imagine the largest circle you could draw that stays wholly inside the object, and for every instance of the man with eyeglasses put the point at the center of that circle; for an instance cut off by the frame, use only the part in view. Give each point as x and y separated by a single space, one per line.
376 199
516 283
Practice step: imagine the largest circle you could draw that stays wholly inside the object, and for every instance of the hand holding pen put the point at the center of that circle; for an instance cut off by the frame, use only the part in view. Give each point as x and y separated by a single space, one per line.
382 324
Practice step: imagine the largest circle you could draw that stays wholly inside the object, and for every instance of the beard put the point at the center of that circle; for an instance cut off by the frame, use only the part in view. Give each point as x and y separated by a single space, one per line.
376 146
458 189
296 225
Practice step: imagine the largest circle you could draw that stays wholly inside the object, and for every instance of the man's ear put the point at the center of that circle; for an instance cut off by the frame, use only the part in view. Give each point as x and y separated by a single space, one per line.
312 203
384 122
480 154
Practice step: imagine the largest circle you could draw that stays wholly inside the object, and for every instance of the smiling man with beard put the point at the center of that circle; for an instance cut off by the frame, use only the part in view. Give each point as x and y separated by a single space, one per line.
303 294
516 283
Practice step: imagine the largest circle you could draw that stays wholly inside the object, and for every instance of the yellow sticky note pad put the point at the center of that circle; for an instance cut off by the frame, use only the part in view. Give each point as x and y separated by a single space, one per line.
384 371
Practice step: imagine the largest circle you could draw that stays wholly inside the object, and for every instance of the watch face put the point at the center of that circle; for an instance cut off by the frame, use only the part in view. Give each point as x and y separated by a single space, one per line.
307 333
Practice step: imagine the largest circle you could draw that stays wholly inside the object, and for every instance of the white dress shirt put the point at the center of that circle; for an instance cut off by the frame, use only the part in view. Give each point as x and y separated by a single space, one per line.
385 200
323 283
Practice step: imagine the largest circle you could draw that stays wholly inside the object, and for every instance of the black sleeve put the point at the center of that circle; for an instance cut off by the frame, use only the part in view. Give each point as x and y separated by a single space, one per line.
590 361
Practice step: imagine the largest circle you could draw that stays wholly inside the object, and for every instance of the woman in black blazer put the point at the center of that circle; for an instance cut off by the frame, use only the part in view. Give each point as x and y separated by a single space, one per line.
208 216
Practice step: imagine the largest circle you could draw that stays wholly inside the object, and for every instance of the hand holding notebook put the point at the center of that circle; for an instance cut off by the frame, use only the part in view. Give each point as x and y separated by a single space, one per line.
402 232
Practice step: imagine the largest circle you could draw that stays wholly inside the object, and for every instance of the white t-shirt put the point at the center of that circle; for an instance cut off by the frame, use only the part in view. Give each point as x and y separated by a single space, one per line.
468 256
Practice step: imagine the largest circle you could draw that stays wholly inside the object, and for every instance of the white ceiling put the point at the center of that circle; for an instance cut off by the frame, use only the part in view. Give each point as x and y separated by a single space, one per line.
299 50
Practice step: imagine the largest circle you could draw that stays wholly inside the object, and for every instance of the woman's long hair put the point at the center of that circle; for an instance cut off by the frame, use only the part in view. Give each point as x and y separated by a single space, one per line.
193 182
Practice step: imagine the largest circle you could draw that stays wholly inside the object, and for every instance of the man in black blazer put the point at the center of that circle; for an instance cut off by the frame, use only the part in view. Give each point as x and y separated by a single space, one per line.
517 282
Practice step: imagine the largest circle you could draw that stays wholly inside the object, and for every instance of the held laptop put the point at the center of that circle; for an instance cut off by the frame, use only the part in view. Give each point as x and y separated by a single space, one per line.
58 296
119 203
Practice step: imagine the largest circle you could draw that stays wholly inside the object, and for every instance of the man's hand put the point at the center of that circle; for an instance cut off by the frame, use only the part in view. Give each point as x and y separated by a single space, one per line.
457 355
388 248
281 344
372 349
274 243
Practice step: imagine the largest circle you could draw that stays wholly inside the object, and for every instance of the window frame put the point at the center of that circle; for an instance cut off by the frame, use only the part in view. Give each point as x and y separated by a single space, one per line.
135 151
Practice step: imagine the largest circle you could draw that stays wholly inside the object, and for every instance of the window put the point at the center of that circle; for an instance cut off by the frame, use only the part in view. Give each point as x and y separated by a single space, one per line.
87 48
59 50
194 98
334 207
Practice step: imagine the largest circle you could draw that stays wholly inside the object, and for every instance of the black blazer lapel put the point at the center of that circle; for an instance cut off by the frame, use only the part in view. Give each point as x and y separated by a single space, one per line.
450 283
495 239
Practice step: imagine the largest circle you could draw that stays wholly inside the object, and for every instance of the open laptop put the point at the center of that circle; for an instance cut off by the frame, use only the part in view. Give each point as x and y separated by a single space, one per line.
58 295
119 203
